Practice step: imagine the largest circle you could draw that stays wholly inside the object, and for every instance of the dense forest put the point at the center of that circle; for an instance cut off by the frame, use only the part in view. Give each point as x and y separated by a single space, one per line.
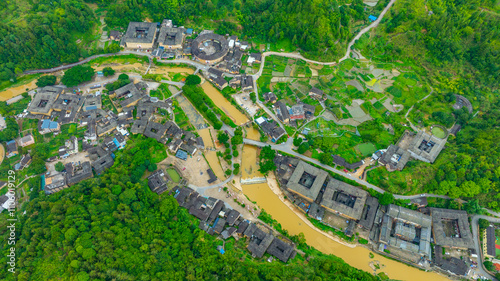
114 227
41 36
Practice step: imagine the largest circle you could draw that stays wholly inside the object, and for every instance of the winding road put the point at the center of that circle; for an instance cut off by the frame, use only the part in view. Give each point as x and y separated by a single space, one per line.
366 29
408 112
286 147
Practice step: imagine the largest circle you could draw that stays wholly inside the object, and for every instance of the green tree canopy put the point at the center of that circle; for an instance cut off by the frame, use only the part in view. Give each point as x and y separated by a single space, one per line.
483 223
77 75
386 198
297 141
488 265
108 71
46 80
303 147
193 80
59 166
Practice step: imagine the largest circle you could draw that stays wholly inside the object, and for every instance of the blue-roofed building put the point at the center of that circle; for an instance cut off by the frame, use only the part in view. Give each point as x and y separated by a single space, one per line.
47 126
100 74
53 125
11 149
372 18
181 154
220 249
189 31
91 107
120 143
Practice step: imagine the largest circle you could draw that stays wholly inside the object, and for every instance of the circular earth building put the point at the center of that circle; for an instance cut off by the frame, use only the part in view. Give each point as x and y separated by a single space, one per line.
210 48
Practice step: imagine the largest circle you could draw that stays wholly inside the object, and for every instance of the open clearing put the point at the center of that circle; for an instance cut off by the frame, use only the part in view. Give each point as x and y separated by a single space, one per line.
438 132
367 148
16 91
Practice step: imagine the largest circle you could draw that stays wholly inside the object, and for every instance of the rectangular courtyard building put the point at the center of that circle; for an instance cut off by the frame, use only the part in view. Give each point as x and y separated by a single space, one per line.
406 230
170 37
489 247
425 147
451 228
140 35
44 100
345 199
281 250
368 215
307 181
76 172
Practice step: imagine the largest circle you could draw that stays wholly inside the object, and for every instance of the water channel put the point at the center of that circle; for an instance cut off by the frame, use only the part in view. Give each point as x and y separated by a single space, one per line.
293 222
220 101
210 154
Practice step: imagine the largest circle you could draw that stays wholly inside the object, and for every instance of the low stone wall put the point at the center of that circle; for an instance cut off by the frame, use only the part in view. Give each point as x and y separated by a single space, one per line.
254 180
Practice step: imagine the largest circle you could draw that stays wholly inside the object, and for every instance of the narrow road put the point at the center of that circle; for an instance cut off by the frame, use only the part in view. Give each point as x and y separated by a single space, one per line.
475 236
365 30
286 148
66 66
408 112
178 84
201 189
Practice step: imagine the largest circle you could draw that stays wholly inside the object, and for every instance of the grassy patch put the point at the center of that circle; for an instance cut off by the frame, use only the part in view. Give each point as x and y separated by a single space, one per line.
367 148
121 59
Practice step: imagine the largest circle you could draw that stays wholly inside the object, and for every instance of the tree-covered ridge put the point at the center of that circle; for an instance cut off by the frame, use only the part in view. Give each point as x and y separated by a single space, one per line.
317 27
457 37
114 227
43 38
314 26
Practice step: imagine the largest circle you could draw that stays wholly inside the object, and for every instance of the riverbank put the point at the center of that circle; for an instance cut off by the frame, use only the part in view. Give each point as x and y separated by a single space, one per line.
273 185
270 198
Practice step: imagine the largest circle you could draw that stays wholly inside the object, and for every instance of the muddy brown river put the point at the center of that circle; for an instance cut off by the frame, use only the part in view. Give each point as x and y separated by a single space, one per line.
357 257
219 100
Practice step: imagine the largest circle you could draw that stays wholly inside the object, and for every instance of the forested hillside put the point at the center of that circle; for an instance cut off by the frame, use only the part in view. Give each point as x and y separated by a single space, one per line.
456 46
115 228
459 39
38 34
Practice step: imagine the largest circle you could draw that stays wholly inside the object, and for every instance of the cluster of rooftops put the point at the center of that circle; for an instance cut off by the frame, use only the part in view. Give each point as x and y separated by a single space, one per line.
422 146
207 47
56 106
389 226
216 219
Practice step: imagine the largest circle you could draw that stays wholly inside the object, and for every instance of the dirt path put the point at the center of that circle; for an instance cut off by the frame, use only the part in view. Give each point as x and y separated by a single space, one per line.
2 154
408 112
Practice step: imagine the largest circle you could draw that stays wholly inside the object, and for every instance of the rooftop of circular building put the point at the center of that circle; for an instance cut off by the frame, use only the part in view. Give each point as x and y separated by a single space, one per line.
210 47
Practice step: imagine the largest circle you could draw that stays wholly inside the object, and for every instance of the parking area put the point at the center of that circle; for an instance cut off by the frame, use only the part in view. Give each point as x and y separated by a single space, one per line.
243 100
77 157
194 169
